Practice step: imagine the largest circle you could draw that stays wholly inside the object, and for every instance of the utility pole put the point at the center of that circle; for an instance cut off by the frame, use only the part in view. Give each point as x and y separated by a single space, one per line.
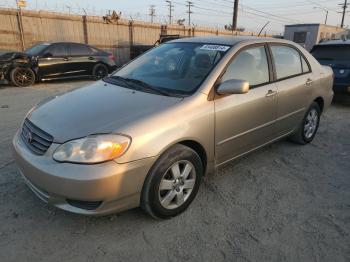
152 12
235 15
325 21
171 9
20 4
325 10
189 5
344 6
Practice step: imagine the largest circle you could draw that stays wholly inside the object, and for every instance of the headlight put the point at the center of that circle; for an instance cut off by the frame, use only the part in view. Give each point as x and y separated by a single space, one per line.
92 149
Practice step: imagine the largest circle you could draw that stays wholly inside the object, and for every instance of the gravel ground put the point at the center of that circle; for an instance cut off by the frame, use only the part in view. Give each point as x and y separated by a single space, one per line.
282 203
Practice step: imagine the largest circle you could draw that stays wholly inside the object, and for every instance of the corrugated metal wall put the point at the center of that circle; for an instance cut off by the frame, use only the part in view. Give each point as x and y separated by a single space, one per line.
116 38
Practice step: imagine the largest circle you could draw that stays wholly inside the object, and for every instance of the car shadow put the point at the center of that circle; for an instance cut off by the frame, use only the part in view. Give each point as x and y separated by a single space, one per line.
6 84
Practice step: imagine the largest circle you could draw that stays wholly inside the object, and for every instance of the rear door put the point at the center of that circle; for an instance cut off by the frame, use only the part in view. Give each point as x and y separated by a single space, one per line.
82 58
294 81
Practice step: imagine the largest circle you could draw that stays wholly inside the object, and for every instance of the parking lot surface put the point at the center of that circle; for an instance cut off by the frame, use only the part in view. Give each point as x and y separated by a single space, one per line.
282 203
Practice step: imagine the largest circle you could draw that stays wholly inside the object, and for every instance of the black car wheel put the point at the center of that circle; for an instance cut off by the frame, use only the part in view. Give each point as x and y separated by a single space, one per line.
172 183
22 76
100 71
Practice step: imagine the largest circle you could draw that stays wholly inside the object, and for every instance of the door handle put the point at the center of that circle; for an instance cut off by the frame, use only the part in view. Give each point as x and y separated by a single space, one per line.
271 93
308 82
66 59
91 58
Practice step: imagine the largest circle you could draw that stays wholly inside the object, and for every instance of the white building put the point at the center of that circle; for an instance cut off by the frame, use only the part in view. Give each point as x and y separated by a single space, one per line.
307 35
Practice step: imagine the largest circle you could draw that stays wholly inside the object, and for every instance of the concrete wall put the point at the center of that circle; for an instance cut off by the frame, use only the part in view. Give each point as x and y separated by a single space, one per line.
329 32
116 38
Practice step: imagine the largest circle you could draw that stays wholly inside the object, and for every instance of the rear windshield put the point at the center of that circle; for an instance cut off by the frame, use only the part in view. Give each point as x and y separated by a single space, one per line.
336 52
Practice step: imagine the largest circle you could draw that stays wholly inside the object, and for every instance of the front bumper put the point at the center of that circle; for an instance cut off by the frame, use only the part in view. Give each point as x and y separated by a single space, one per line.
111 186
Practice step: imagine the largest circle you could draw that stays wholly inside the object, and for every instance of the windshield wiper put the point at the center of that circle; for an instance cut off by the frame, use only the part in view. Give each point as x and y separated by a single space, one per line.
137 84
147 86
121 79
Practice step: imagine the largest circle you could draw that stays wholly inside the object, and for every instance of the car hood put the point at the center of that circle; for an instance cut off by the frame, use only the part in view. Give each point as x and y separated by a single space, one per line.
9 56
98 108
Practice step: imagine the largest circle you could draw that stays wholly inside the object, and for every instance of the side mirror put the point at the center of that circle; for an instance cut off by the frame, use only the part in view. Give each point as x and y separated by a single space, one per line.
233 86
47 55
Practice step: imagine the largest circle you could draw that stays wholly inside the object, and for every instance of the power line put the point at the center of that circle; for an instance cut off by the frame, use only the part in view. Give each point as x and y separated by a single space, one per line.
189 5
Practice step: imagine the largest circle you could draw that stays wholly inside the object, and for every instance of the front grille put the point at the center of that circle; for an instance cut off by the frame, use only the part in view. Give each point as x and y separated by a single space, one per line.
87 205
36 139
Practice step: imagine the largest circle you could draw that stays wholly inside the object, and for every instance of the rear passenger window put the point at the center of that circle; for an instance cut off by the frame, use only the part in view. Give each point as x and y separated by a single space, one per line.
249 65
80 50
287 61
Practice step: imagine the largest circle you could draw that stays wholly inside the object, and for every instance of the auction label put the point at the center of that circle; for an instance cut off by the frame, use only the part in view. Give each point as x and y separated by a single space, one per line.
221 48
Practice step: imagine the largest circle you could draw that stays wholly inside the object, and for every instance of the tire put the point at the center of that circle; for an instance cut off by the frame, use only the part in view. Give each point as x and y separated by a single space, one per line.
177 194
309 126
99 71
22 76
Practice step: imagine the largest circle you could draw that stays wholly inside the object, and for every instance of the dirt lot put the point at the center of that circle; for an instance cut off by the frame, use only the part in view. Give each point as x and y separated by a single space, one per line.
282 203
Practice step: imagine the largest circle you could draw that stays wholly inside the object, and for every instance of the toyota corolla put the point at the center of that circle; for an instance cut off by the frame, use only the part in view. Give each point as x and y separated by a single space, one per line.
147 134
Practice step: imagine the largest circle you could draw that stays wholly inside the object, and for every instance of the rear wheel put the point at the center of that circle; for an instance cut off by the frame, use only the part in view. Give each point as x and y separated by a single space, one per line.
99 71
173 182
22 76
309 126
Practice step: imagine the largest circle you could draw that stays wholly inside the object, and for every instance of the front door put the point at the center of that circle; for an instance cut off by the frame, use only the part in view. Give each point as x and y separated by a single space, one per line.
55 62
244 122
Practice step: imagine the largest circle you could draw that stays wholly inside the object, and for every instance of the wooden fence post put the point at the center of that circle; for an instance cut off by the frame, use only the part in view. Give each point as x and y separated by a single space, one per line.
20 26
85 30
163 29
131 33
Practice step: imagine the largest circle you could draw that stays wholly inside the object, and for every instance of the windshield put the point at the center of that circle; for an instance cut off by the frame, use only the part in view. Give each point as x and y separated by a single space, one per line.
172 68
36 49
336 52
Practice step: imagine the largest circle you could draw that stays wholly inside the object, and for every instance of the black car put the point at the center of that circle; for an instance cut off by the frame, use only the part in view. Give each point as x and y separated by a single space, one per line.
336 54
46 61
136 50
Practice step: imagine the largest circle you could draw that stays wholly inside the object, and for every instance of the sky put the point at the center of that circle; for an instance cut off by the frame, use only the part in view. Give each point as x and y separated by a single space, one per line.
253 14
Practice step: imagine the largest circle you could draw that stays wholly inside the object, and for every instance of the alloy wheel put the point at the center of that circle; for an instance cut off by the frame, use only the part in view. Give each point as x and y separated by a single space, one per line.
177 184
311 123
101 72
23 77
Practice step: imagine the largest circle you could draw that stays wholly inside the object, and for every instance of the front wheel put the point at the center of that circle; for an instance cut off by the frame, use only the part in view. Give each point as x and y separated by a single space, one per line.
22 76
172 183
309 126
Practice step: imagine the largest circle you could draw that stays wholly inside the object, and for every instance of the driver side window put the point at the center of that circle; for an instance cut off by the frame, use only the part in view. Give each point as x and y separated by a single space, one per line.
58 50
250 65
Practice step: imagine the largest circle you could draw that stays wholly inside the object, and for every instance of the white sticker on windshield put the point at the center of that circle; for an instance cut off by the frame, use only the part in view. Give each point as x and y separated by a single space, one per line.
221 48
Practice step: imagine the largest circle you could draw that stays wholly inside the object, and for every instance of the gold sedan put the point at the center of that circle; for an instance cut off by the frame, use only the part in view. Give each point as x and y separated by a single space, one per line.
147 134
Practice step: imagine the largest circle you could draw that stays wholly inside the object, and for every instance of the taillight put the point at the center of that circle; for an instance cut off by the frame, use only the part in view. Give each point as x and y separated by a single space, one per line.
111 57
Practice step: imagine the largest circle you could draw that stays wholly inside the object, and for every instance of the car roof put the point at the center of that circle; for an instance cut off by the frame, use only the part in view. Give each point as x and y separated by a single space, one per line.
225 40
334 42
51 43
